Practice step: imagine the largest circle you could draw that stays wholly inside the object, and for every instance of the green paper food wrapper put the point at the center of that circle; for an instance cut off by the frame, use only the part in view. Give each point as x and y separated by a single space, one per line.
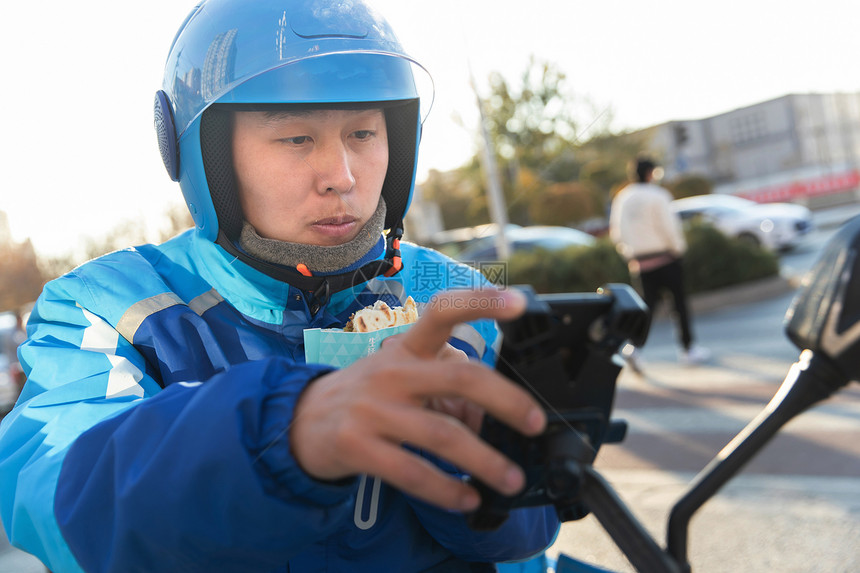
334 347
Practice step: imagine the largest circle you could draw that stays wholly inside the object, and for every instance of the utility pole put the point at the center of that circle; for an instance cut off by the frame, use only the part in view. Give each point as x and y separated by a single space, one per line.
495 197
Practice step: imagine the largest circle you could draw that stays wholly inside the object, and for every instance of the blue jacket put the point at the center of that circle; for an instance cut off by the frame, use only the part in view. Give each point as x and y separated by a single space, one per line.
151 434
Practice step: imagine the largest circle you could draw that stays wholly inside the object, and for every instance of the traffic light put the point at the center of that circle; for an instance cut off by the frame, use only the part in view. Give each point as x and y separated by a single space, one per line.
681 136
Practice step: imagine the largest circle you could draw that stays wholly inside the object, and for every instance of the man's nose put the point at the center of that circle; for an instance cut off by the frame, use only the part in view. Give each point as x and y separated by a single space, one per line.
332 164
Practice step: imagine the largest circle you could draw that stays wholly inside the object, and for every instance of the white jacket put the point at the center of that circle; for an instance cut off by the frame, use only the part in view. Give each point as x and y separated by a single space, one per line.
641 222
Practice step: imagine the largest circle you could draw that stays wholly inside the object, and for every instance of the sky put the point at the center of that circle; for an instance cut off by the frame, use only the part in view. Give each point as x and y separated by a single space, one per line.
80 149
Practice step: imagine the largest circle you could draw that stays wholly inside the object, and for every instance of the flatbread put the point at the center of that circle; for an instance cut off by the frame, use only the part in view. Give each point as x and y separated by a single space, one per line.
380 316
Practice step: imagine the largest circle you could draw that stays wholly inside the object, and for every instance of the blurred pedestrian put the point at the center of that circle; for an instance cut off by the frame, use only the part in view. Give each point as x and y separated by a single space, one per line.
650 238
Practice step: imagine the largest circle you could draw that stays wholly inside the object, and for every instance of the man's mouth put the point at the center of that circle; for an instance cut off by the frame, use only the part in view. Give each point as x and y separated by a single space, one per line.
339 220
338 229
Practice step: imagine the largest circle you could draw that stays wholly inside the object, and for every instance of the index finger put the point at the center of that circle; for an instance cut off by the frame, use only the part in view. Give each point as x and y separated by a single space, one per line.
449 308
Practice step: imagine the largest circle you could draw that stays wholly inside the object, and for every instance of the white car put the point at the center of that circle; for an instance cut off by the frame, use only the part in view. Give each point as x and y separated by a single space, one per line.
775 226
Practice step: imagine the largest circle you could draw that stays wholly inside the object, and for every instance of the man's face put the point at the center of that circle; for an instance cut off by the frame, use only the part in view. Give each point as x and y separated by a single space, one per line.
311 177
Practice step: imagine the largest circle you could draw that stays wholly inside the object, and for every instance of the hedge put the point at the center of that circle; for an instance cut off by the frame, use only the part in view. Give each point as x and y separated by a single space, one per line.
715 261
712 261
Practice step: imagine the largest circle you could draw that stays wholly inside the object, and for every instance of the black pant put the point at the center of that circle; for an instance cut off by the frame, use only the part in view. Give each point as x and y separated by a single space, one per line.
668 278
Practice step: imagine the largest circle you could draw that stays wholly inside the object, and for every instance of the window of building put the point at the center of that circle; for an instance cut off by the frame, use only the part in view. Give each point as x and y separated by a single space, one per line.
747 127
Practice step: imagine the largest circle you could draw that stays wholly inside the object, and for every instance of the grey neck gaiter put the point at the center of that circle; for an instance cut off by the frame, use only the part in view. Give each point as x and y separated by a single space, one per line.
318 259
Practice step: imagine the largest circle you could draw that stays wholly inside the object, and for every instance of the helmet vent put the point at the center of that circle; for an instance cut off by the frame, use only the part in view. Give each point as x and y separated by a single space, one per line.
166 133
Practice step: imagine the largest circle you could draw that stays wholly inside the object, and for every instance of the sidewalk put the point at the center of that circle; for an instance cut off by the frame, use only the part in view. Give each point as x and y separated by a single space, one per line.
761 521
757 524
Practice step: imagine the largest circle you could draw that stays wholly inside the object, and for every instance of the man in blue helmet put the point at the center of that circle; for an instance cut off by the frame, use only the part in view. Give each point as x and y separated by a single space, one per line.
170 422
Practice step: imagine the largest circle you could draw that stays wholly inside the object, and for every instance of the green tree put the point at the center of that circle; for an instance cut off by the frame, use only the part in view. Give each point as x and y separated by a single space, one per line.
557 158
607 157
459 195
557 142
565 204
531 125
535 132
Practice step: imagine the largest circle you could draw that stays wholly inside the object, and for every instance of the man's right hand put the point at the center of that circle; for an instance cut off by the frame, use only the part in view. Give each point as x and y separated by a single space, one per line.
356 420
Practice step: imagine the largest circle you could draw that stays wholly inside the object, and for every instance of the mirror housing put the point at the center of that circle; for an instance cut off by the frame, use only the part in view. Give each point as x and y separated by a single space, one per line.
824 316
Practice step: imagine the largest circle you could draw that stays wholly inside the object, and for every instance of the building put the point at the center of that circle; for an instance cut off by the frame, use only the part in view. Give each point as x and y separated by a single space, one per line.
799 147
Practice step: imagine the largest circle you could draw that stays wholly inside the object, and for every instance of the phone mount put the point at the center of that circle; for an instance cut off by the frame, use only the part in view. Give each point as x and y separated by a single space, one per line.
563 349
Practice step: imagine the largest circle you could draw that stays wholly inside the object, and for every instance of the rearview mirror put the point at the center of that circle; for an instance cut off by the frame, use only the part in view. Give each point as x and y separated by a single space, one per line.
825 314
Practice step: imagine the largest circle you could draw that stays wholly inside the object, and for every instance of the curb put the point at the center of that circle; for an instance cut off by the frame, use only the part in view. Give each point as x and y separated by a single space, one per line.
735 295
745 293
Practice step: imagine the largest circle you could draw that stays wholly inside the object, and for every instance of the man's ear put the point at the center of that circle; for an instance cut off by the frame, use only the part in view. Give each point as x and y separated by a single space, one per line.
165 129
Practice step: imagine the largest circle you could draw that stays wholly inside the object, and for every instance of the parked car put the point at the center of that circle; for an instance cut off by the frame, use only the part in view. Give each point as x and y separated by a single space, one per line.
524 239
452 242
775 226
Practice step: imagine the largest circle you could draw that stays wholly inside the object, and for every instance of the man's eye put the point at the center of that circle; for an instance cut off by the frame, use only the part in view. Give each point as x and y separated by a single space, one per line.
298 140
364 134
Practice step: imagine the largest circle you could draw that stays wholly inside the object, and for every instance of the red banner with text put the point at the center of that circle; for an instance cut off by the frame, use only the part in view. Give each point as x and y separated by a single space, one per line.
824 185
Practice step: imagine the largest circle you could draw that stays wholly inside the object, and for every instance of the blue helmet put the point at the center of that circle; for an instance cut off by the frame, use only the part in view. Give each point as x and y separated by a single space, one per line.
234 53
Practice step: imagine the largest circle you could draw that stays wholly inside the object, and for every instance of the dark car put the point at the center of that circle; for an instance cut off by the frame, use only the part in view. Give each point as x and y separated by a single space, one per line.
525 239
452 242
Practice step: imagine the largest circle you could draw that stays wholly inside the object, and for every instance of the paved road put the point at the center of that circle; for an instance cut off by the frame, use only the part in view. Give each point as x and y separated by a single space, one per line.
794 508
